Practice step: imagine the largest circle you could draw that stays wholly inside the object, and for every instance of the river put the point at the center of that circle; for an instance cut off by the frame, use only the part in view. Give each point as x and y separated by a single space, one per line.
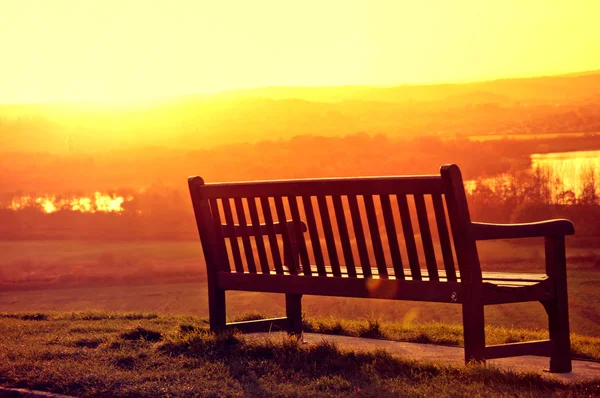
573 169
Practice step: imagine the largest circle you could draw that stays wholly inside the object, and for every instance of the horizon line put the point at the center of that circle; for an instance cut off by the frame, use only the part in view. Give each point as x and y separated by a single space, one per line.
132 101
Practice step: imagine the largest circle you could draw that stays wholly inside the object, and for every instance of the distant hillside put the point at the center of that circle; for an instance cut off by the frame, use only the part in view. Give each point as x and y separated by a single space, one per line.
511 106
572 87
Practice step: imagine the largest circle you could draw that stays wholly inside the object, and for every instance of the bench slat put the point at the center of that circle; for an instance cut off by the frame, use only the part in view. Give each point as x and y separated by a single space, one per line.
258 236
262 230
274 245
442 225
298 230
539 347
390 230
426 184
409 238
329 238
235 247
359 235
340 217
289 255
375 236
314 234
497 278
239 208
222 257
425 232
347 287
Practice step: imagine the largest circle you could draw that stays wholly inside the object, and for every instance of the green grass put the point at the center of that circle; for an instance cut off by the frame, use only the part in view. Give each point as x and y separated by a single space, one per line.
142 354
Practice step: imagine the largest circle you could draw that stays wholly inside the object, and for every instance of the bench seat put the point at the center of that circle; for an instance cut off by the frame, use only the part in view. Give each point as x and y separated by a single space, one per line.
498 278
497 287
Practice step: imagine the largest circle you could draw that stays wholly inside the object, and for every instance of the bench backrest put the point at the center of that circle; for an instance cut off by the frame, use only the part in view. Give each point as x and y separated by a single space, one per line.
347 227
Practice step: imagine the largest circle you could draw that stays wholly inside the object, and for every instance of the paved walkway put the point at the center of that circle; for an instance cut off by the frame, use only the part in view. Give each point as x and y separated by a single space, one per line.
582 370
23 393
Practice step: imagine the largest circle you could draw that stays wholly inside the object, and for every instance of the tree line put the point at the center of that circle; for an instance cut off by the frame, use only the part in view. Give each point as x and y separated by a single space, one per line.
165 213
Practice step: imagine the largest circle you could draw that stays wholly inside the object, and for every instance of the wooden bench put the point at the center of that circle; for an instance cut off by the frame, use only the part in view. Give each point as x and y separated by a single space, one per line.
271 236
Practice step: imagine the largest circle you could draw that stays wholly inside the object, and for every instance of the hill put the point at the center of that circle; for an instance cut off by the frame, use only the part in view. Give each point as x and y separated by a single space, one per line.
568 103
547 89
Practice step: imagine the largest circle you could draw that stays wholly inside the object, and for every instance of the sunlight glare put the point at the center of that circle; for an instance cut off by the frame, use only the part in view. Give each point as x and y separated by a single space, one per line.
117 51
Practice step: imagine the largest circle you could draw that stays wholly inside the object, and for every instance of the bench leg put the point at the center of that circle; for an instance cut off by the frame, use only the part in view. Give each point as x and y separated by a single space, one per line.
558 307
216 309
558 322
474 332
293 311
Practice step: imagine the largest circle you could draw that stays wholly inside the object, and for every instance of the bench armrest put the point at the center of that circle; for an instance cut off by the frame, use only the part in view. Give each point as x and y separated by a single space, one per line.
249 229
485 231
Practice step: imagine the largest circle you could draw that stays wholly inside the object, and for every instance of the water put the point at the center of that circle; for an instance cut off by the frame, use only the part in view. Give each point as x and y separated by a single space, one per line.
518 137
573 168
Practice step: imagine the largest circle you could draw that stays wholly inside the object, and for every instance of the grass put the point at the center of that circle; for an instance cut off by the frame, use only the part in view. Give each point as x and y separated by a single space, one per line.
191 298
142 354
46 264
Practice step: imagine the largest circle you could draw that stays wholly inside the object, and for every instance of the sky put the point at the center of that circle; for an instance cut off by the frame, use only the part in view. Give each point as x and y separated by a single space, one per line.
113 50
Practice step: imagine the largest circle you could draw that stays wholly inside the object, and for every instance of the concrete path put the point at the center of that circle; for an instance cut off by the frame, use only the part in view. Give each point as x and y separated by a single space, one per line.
23 393
583 370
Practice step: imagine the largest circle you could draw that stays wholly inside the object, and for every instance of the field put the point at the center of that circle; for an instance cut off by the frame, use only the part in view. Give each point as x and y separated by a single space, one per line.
143 354
168 277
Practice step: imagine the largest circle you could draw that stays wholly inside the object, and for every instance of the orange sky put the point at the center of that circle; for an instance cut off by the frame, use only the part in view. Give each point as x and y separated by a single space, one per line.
117 50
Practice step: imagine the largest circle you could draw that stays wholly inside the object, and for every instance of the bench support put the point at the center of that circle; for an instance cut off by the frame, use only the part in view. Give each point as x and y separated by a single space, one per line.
540 347
474 332
558 307
218 320
259 325
293 311
216 308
